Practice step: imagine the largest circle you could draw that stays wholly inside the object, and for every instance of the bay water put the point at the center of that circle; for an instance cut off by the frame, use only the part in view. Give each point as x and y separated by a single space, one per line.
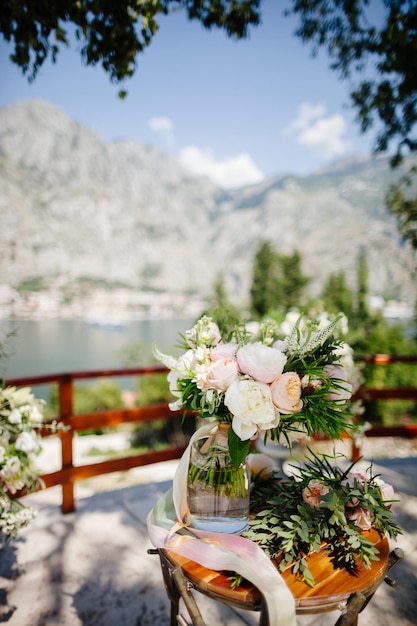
52 346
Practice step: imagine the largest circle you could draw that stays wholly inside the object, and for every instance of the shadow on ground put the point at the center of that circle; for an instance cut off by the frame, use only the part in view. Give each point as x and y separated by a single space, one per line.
91 567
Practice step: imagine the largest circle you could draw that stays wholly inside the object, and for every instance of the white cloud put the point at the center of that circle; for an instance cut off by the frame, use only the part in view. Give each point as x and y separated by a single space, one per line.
163 125
324 133
235 171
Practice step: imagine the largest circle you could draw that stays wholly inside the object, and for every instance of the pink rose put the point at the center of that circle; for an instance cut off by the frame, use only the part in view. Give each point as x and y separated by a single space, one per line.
386 491
286 393
261 362
354 479
222 374
313 492
360 517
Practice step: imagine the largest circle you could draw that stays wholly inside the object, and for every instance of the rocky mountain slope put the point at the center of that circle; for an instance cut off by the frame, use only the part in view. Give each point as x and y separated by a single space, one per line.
72 206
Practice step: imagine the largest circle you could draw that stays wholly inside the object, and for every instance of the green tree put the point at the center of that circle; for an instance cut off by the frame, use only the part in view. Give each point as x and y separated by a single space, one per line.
362 310
277 281
293 280
403 205
337 296
265 291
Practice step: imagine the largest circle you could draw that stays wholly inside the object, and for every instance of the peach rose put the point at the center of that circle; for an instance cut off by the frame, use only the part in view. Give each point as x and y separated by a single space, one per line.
313 492
286 393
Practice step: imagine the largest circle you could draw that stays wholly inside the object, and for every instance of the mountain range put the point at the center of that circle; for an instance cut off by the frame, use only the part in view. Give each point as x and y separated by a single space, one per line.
124 213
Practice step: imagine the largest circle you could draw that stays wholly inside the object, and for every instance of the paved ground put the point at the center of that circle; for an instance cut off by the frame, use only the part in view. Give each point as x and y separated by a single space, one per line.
91 567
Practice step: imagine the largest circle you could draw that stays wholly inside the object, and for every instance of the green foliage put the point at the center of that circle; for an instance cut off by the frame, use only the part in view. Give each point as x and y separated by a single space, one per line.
162 433
110 33
336 295
36 283
153 388
370 333
362 312
400 203
277 281
159 433
289 526
105 394
381 337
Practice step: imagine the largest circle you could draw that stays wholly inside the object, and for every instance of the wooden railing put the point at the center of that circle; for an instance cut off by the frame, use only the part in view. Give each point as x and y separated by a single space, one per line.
69 473
73 423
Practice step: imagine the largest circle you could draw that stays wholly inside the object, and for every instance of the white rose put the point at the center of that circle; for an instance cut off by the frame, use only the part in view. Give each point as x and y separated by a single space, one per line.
313 493
261 362
251 405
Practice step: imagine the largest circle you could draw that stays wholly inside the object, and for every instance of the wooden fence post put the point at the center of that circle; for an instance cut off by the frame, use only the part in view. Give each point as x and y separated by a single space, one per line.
65 415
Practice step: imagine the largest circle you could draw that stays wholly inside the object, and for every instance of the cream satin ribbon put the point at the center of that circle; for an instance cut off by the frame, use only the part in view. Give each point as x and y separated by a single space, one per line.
168 527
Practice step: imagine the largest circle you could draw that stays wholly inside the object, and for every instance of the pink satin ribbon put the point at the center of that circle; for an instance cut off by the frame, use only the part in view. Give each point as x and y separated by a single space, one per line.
168 527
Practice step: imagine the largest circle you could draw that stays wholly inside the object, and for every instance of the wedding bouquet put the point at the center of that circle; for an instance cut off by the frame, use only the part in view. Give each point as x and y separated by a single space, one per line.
283 389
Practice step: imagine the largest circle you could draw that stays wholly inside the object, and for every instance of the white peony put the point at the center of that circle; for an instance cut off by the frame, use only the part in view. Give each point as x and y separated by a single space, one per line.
251 405
261 362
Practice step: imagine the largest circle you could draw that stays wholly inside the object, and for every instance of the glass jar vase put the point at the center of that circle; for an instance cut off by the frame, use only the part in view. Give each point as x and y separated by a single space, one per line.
217 490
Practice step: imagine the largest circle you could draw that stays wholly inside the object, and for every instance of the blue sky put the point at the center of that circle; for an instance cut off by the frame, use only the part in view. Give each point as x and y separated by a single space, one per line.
235 111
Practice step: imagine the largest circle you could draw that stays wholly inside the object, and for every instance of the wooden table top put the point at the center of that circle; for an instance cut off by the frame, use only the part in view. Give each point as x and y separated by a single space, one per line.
332 587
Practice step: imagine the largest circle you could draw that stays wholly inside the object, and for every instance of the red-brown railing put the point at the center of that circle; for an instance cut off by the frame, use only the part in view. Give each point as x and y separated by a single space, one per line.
69 473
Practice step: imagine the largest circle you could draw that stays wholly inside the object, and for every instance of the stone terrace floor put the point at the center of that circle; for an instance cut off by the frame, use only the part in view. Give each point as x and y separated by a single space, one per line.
91 567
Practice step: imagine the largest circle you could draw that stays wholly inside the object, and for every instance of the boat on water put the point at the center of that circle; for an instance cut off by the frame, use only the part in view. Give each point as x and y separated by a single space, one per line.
106 324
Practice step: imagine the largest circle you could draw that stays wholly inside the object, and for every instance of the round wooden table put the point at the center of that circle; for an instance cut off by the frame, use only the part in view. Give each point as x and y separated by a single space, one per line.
332 589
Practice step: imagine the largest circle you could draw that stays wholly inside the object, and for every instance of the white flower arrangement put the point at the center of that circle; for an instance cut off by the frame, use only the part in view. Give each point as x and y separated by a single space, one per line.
282 389
20 417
